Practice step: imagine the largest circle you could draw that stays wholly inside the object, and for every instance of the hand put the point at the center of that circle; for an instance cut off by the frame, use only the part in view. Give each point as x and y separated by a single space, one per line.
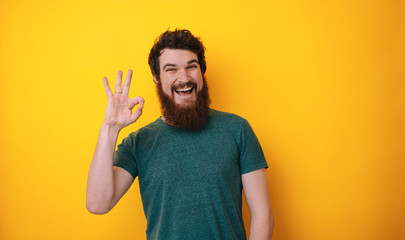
119 107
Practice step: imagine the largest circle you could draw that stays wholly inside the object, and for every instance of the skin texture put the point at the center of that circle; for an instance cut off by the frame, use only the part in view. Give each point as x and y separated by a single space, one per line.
107 184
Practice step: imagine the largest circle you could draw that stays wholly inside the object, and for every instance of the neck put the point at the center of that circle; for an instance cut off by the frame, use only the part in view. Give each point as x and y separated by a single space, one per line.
167 121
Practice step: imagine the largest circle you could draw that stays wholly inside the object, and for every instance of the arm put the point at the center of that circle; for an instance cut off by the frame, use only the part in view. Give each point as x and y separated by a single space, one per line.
258 200
107 184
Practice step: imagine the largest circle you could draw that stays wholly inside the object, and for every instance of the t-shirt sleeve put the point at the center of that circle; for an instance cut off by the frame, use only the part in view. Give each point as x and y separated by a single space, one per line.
124 156
251 154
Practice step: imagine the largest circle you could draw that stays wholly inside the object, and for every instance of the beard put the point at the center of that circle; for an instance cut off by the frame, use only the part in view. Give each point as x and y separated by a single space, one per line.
190 117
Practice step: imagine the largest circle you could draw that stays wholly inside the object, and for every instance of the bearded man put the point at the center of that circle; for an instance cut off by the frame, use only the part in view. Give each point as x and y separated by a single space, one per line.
192 163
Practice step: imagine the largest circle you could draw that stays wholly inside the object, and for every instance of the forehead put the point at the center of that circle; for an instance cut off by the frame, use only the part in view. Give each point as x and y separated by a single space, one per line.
176 56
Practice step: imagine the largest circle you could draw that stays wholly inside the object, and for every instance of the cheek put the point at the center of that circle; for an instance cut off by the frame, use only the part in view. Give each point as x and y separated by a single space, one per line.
200 84
166 84
168 88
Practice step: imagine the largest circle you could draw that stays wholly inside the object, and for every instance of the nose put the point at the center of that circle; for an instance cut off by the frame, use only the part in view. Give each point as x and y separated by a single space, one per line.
183 76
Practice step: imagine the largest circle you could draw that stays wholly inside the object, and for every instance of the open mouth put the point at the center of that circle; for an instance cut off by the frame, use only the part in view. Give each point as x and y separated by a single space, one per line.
184 91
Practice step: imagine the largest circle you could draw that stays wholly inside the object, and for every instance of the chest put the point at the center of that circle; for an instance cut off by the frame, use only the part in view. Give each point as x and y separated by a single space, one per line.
189 159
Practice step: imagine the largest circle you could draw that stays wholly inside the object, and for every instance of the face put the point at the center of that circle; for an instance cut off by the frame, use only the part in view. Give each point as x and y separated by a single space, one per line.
180 75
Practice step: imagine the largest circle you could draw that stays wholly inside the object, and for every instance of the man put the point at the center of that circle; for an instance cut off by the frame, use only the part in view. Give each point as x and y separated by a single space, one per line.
192 162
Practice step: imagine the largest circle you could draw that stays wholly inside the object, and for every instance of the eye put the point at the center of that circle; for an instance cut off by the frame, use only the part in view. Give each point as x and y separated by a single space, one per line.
170 69
192 66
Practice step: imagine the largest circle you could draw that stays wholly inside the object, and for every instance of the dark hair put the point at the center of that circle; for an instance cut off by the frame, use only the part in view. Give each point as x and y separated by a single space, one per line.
177 39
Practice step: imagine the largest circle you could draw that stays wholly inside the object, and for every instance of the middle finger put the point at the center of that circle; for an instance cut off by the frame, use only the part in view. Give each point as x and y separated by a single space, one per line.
119 82
127 82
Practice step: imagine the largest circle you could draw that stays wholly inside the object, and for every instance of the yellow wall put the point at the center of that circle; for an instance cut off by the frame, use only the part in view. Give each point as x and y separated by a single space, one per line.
321 82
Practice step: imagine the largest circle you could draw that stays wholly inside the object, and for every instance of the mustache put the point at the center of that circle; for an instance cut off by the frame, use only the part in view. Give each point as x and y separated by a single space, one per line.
184 85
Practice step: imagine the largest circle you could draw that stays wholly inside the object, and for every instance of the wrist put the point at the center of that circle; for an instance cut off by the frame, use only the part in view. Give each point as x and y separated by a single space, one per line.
110 130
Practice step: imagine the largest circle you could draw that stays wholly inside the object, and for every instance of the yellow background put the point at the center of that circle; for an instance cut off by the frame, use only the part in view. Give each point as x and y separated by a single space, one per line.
321 82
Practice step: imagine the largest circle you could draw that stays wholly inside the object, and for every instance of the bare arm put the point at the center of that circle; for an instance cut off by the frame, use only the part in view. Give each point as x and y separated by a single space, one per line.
107 184
258 200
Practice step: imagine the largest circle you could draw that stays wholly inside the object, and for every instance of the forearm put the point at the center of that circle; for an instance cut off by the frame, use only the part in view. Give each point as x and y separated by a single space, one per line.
261 227
100 183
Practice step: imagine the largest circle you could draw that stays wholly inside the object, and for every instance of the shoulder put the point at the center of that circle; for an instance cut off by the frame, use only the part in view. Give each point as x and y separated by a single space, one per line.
215 115
227 123
144 133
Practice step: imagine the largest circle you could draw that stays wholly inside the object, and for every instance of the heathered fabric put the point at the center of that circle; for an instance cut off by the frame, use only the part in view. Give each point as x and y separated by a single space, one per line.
190 181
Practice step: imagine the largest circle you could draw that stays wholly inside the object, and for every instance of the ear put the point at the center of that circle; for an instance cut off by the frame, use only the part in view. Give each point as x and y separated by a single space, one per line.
155 79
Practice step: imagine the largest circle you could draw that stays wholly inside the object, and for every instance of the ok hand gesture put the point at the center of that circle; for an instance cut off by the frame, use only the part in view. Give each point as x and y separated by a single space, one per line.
119 107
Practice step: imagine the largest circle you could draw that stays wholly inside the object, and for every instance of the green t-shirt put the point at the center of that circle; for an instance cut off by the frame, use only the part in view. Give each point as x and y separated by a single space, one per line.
190 181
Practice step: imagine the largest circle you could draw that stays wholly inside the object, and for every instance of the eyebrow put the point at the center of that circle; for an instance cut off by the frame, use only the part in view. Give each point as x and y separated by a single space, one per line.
174 65
192 61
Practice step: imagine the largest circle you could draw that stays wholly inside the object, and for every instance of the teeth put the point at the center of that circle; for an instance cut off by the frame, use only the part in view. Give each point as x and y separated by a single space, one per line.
184 89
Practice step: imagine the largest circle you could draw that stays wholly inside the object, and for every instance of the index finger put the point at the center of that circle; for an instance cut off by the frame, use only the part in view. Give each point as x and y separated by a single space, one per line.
107 87
127 83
